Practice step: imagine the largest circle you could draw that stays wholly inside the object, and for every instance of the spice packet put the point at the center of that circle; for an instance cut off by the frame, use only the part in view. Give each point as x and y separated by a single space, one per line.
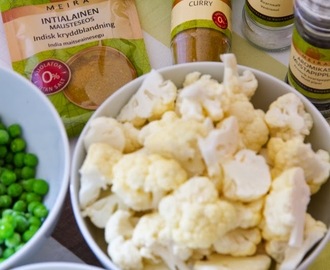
77 52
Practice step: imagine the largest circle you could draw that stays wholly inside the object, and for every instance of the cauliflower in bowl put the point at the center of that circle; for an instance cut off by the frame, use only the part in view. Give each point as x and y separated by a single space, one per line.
194 177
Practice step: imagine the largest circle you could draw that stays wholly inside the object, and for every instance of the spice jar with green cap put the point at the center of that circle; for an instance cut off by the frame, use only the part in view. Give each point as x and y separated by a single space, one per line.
309 62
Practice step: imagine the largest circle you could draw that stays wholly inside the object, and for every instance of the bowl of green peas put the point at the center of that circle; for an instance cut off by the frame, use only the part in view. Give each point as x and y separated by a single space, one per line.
34 168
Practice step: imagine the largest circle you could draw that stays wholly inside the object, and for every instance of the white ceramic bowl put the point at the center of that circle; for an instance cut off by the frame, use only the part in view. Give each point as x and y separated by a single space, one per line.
57 266
269 89
22 102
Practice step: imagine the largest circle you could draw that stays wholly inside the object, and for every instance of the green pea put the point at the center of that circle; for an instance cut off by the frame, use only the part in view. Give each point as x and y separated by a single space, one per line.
22 223
19 159
32 205
31 197
8 252
35 221
40 211
8 212
20 206
14 130
15 190
6 230
7 177
10 219
5 201
40 187
28 172
4 136
23 196
34 228
13 240
31 160
28 184
17 145
28 234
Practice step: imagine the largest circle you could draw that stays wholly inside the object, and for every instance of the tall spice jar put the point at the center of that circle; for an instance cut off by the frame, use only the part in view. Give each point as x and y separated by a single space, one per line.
200 30
309 62
268 23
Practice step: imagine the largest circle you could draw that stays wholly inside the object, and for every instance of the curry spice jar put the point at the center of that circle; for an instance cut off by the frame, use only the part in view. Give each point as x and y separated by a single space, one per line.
200 30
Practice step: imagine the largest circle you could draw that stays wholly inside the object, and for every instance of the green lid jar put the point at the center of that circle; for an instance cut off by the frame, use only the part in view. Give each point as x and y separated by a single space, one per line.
309 63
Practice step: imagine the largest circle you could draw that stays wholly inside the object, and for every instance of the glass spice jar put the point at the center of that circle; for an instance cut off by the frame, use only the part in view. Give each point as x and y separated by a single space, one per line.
268 23
309 62
200 30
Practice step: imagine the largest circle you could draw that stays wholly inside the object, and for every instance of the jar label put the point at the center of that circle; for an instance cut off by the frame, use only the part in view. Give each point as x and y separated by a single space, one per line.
309 68
272 13
187 14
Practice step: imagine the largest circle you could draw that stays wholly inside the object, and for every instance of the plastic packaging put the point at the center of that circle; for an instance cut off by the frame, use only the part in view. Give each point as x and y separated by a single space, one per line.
268 23
309 64
200 30
76 52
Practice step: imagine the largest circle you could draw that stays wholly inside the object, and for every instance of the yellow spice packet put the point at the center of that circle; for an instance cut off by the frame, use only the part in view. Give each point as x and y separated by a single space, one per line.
77 52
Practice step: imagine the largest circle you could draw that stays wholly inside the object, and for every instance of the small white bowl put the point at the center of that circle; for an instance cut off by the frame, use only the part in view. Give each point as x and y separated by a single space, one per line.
23 103
268 90
57 266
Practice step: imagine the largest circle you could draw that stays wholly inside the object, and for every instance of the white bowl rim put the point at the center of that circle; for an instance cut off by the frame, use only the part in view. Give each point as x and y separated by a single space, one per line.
52 265
104 259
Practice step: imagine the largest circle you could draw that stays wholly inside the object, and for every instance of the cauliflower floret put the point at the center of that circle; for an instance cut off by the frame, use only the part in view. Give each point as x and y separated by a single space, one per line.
238 242
96 172
251 122
285 207
234 83
287 118
246 177
131 134
148 232
195 215
154 97
125 254
223 262
219 145
123 137
100 211
289 257
287 154
202 97
153 240
191 78
118 233
173 137
249 214
140 179
121 224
